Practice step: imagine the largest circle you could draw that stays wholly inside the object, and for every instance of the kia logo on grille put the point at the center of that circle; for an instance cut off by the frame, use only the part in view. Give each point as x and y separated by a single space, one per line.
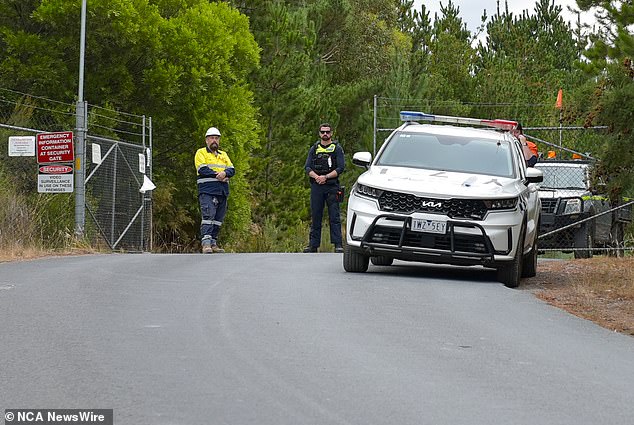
432 204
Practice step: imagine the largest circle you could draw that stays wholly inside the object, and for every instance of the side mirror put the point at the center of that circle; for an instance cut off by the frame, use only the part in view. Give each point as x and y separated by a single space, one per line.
533 175
362 159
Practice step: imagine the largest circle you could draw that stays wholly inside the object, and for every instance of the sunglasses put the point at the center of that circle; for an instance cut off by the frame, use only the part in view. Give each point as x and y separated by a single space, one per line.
325 131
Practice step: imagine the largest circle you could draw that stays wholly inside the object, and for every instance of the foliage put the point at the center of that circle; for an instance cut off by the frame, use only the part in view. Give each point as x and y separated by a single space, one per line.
609 57
271 237
320 63
268 72
451 58
526 59
174 223
286 37
34 220
185 63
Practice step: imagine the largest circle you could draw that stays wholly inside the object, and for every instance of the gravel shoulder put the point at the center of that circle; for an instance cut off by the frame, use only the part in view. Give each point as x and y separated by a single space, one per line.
600 289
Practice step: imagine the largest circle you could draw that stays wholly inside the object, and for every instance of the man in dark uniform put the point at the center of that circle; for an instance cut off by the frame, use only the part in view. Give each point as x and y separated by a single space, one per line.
324 164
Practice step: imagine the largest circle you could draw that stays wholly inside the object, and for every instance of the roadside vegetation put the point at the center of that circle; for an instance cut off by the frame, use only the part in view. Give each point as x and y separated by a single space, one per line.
600 289
267 73
35 225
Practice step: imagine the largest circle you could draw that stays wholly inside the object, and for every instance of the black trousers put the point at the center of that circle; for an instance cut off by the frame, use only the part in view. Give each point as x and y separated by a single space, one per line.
324 195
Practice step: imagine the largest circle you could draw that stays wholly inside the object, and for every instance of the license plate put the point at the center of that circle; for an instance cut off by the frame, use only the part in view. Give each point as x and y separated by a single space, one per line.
429 226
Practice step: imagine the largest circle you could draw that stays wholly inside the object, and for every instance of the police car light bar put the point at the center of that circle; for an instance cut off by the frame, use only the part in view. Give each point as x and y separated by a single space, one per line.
420 116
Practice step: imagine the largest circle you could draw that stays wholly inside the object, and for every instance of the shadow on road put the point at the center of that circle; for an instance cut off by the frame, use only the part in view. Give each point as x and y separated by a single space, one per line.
436 271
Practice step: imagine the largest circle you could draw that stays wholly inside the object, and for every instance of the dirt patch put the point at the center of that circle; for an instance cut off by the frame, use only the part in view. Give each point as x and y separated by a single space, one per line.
600 289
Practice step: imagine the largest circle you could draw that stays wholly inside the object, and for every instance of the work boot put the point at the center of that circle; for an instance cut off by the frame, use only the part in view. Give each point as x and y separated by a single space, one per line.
216 249
207 249
310 249
338 249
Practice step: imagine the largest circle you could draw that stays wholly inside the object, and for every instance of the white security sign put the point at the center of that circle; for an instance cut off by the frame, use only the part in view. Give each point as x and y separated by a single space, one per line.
21 145
141 163
96 153
55 178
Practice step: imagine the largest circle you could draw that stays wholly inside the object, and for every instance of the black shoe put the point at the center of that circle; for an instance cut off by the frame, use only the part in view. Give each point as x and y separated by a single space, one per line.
338 249
310 249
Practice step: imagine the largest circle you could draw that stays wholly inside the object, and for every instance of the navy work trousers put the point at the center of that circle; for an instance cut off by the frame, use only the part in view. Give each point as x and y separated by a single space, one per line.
213 209
321 194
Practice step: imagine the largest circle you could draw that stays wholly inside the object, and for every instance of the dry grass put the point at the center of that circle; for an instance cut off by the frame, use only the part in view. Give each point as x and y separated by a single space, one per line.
600 289
19 253
36 226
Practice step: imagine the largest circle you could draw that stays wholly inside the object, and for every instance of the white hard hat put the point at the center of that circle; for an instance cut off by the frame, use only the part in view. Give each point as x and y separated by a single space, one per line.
212 131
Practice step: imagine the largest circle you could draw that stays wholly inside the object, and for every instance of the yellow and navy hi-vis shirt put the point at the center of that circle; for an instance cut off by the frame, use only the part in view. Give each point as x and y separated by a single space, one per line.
208 165
323 159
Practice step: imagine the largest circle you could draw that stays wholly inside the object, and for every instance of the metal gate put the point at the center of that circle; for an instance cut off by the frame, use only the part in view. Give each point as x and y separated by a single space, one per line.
117 162
120 213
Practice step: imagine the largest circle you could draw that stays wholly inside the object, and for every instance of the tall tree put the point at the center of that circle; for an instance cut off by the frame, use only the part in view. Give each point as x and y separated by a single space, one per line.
321 61
285 36
451 57
525 59
610 60
188 70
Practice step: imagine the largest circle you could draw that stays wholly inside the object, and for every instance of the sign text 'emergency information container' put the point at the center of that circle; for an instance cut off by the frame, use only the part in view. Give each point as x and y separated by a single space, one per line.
55 147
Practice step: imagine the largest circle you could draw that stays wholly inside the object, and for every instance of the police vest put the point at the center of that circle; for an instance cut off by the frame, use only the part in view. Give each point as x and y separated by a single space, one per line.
324 160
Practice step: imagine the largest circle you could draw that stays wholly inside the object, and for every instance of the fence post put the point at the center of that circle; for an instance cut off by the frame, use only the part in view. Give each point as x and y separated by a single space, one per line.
374 132
80 169
80 120
151 164
114 195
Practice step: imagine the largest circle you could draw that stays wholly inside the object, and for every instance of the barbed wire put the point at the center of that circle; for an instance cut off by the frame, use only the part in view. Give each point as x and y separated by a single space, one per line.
54 115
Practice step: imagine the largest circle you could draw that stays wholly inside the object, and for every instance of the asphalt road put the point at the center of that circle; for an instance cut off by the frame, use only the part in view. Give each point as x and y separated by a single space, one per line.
293 339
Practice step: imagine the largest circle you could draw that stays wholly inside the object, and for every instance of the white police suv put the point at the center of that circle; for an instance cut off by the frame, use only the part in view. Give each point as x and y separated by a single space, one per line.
446 194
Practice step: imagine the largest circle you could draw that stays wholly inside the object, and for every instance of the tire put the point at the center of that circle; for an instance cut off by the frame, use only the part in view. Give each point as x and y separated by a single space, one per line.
584 239
529 261
509 274
354 261
381 260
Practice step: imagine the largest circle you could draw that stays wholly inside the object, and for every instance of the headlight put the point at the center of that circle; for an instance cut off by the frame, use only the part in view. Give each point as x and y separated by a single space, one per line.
572 206
500 204
368 191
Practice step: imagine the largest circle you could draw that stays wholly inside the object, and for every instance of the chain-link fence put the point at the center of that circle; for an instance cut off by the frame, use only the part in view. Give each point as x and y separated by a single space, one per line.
117 163
577 216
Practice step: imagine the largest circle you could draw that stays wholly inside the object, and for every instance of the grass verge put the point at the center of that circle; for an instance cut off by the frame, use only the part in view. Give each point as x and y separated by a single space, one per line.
600 289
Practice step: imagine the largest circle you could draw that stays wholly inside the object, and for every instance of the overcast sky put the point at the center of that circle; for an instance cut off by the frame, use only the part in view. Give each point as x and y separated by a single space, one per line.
471 10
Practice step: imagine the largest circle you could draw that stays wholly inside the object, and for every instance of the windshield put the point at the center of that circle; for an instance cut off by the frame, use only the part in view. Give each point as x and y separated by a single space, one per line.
449 153
563 177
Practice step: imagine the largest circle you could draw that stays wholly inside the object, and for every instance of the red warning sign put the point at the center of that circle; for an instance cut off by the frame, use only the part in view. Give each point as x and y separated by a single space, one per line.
55 147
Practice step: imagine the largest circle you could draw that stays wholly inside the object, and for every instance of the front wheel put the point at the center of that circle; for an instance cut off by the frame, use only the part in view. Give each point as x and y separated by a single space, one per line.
509 274
354 261
584 241
529 261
